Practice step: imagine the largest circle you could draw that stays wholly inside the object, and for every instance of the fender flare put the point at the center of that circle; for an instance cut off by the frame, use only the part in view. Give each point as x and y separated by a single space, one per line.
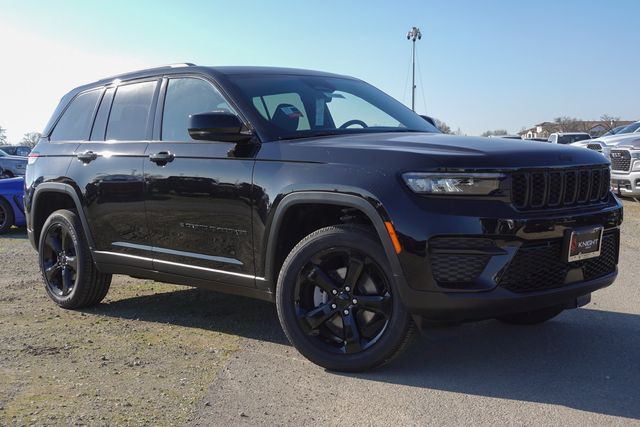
58 187
341 199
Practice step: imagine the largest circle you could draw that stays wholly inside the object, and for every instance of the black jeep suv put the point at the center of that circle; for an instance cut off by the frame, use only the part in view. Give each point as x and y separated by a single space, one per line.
356 216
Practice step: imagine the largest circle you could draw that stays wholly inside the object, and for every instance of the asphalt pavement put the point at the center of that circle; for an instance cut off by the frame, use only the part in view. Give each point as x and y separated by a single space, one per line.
582 368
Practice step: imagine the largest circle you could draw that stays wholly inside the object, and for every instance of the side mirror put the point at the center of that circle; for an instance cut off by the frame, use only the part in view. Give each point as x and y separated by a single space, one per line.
218 126
430 120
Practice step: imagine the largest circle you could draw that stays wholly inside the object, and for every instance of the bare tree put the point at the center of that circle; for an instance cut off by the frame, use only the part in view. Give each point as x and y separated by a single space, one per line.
444 128
3 136
609 121
30 139
567 124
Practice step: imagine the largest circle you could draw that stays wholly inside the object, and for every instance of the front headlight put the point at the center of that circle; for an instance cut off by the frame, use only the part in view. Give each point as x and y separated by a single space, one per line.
636 166
454 184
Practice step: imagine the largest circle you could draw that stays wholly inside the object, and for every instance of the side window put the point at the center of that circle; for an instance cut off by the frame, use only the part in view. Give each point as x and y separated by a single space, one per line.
187 96
280 103
130 112
75 123
99 125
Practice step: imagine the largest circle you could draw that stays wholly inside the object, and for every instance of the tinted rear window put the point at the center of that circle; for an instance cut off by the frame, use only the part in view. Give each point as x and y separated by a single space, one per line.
569 139
100 123
75 123
130 115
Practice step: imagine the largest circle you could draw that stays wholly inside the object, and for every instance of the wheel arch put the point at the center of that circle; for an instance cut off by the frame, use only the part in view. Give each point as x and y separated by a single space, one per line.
49 197
375 215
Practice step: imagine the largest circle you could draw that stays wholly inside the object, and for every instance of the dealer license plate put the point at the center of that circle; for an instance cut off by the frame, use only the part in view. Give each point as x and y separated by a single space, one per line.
584 243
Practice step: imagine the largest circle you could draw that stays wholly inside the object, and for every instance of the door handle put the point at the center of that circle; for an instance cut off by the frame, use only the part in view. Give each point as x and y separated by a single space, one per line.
162 158
87 157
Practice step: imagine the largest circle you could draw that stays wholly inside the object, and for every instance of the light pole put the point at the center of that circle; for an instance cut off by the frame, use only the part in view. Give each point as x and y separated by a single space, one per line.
413 35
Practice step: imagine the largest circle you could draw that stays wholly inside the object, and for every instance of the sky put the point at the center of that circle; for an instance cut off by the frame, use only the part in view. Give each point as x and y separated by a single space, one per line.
482 65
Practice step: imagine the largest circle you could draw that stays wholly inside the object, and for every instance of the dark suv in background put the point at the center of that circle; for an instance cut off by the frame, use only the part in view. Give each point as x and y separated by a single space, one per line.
320 193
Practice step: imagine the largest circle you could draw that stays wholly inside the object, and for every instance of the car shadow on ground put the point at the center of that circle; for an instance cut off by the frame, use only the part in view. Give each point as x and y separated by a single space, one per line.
15 233
584 359
199 308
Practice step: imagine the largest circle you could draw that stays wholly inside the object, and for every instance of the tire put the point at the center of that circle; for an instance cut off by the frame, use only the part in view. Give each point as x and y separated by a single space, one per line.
70 277
532 317
334 325
6 216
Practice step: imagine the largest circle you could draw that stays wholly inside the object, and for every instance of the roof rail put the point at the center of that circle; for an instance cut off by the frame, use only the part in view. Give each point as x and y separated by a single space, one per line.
176 65
160 67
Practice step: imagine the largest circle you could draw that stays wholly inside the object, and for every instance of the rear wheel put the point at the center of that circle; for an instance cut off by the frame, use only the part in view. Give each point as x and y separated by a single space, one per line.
532 317
337 302
69 274
6 216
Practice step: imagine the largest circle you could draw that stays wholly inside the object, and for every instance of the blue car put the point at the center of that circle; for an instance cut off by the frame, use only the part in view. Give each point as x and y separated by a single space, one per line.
11 209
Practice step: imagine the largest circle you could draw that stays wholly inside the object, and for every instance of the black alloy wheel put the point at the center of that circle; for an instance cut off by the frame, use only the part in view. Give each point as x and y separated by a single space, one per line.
69 274
59 260
343 300
337 302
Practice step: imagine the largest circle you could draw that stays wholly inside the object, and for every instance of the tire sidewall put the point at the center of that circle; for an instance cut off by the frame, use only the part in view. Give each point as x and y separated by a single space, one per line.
396 329
68 220
9 217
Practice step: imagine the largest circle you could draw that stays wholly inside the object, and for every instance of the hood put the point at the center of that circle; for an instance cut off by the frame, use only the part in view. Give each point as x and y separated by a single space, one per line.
614 139
447 151
630 143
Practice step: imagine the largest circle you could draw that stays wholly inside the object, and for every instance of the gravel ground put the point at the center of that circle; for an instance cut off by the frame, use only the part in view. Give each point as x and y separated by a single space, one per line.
155 354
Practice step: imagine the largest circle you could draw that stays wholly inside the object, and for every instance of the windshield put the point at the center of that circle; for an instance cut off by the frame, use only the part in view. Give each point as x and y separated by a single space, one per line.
631 128
568 139
304 106
3 154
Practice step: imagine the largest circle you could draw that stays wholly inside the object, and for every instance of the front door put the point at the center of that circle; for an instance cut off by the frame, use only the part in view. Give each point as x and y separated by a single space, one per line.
198 193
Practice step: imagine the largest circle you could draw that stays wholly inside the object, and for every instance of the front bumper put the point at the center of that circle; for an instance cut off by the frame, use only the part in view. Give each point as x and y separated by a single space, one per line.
625 184
459 307
465 267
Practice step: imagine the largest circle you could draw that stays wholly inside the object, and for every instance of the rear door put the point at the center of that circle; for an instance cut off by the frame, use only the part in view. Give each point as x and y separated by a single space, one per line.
198 198
108 171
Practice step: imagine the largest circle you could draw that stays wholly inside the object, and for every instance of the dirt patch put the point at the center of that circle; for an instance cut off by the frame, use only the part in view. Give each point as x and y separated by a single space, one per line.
143 357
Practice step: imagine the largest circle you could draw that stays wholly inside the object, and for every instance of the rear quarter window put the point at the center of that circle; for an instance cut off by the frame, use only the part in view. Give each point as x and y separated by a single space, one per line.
129 119
75 123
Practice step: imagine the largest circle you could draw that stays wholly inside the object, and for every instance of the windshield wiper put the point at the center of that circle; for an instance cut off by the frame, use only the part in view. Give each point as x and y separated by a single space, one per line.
313 135
349 132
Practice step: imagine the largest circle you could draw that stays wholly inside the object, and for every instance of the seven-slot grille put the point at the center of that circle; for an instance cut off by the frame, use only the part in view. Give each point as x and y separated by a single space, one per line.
559 188
620 160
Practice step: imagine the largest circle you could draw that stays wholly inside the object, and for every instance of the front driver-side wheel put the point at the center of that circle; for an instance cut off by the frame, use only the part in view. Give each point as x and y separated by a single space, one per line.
70 277
337 302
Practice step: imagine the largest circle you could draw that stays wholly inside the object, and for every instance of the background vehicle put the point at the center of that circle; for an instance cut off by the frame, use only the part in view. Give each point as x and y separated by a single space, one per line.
16 150
628 133
320 193
506 136
567 137
11 210
11 166
591 144
625 168
616 130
